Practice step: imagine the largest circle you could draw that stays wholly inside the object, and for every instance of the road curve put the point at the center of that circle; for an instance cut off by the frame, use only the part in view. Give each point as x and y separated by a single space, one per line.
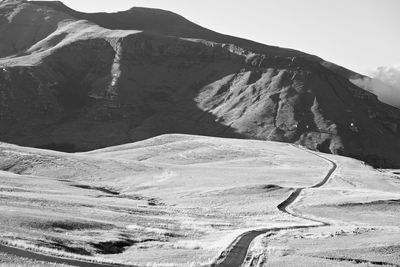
236 252
41 257
234 255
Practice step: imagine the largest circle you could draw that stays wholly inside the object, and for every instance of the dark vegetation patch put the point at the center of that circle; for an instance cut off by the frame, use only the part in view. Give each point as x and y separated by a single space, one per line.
151 201
378 202
16 167
101 189
271 187
13 189
68 225
133 197
394 249
324 147
63 245
140 211
172 235
117 246
65 180
62 147
360 261
155 202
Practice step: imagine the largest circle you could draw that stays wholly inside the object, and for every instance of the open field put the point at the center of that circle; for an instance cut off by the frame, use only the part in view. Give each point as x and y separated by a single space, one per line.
180 200
360 207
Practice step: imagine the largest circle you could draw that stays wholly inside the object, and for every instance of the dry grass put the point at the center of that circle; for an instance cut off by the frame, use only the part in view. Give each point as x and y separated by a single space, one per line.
170 209
7 260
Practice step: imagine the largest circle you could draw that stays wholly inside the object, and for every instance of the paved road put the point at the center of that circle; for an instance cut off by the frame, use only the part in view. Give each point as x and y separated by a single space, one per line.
236 254
234 257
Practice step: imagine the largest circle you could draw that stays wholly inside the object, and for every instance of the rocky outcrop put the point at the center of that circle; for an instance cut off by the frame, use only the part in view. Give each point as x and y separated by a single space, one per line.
96 87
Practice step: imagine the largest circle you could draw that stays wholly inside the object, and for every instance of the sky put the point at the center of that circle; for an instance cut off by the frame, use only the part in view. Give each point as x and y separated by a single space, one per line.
361 35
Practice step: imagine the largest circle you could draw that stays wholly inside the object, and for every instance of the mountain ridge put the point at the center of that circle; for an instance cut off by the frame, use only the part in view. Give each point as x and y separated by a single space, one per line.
86 81
146 22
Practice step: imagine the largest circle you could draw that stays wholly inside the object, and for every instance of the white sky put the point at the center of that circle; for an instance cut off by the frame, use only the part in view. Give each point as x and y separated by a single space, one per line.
358 34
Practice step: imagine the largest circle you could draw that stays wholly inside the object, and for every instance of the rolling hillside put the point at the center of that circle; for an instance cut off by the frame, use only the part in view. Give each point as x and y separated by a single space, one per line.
181 200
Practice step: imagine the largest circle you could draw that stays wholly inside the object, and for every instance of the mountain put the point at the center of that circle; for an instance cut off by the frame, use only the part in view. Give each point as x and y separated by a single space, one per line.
73 81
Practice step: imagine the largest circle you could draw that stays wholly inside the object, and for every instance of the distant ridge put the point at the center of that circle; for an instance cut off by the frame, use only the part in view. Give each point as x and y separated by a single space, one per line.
75 81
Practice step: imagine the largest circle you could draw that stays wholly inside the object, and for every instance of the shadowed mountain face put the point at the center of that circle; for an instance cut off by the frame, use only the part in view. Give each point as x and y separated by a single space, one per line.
73 81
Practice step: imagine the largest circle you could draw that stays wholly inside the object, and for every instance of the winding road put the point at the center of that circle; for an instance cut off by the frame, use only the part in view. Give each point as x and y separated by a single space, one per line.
235 255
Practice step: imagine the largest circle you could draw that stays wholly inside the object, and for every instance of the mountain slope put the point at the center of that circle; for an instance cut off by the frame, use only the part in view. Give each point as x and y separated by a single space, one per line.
95 80
166 23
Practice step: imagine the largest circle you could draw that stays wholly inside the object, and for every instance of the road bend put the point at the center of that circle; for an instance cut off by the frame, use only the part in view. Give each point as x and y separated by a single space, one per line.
236 253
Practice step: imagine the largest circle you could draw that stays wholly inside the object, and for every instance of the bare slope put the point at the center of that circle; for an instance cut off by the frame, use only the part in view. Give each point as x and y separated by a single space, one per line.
169 200
181 200
93 80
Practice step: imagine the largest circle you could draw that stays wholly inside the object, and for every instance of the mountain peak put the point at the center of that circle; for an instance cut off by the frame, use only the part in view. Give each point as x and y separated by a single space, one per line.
89 86
155 11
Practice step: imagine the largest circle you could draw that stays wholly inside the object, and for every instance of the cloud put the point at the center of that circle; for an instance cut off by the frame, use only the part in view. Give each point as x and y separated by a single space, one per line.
385 83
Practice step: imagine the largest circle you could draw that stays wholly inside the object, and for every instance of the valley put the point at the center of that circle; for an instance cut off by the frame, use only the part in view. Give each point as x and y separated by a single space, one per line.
179 200
139 138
